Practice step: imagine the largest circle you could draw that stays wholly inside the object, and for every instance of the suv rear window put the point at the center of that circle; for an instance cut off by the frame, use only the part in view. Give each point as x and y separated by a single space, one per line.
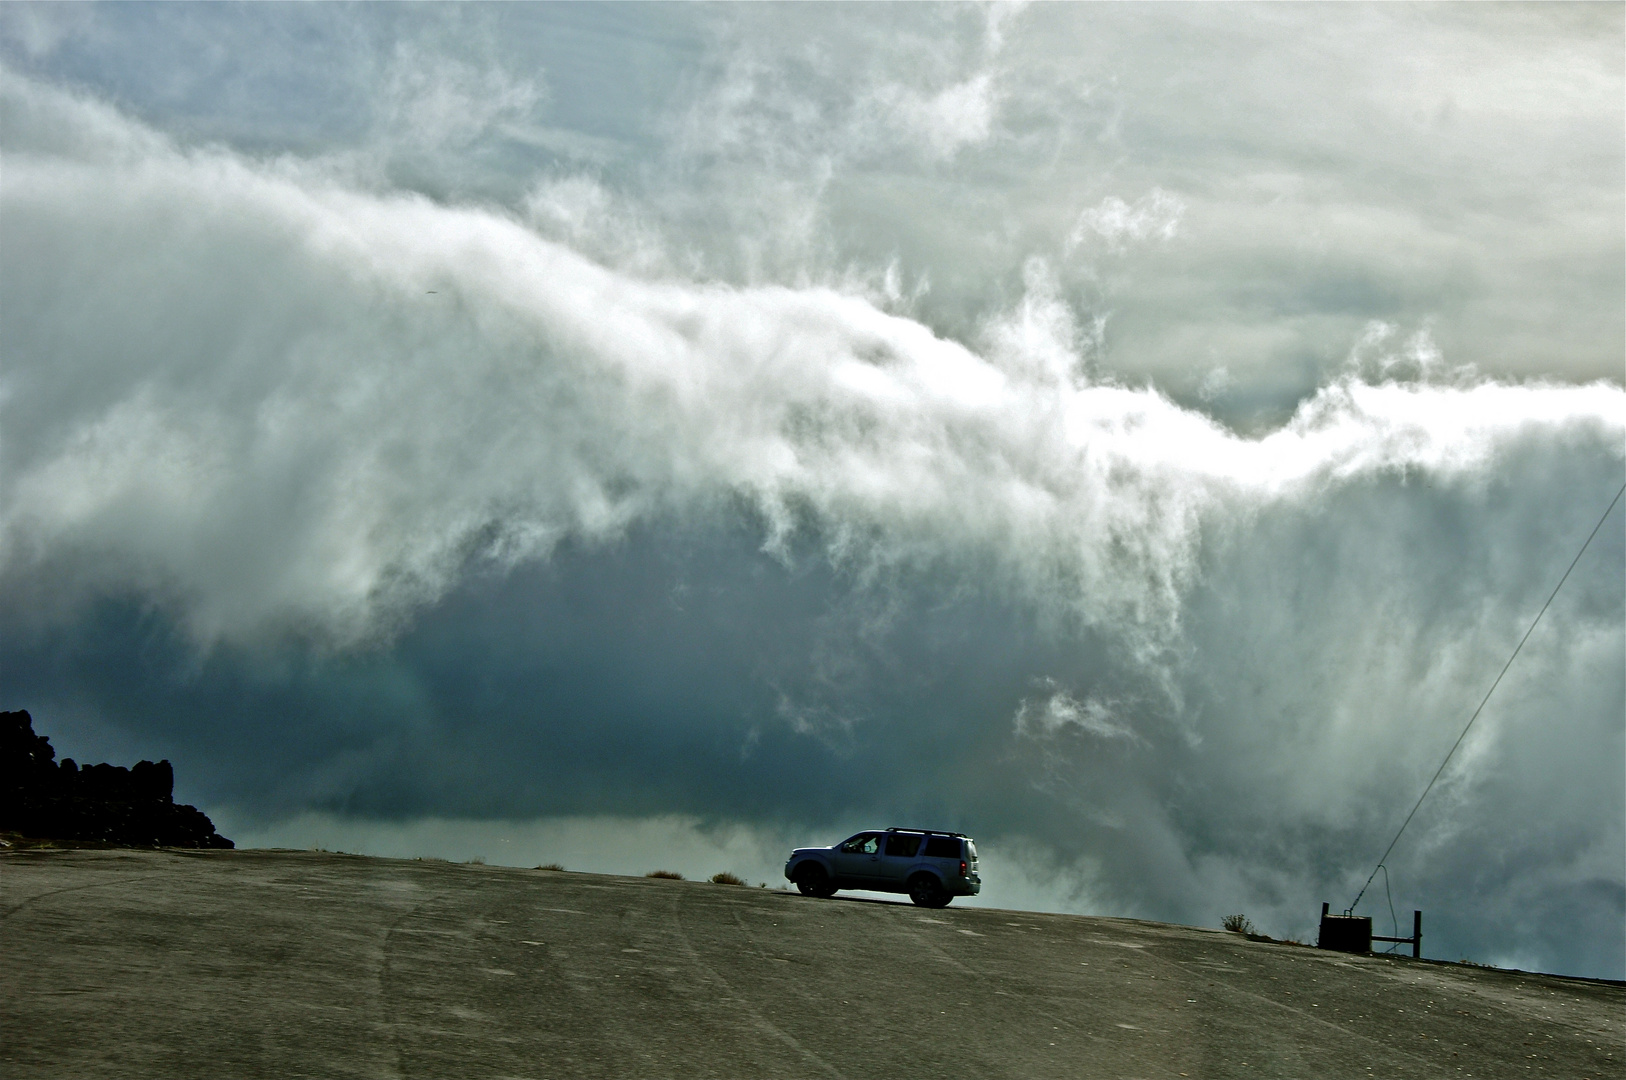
903 844
942 847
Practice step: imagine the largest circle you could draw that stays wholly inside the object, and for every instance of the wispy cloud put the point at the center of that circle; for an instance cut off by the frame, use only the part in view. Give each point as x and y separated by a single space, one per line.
1057 710
1115 223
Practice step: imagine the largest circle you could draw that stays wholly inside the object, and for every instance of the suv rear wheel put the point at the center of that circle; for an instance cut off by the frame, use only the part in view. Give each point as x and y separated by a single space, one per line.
927 891
811 880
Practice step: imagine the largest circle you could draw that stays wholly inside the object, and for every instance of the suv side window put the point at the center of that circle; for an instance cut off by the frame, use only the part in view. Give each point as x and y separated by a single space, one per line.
862 844
942 847
903 845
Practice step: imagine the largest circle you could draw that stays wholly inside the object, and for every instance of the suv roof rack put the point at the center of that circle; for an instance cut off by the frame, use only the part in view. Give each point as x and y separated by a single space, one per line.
928 832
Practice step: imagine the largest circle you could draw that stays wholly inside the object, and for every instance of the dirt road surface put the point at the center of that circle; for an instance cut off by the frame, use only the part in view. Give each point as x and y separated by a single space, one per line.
284 964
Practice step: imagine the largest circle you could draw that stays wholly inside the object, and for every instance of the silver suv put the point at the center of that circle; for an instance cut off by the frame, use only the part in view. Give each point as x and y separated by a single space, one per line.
932 867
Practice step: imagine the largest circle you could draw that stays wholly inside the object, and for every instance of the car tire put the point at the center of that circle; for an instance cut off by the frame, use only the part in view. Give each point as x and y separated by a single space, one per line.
811 880
926 891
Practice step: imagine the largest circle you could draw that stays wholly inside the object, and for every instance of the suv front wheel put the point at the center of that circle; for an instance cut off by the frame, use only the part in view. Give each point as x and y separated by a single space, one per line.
811 880
927 891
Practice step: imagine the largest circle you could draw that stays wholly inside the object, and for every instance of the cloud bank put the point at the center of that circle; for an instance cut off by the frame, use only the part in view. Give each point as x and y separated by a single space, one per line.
397 505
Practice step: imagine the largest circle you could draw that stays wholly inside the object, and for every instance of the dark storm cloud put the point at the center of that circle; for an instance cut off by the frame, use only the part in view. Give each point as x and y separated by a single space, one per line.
779 444
702 678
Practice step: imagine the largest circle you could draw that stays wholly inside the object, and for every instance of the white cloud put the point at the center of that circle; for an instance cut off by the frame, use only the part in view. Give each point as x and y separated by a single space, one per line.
954 117
394 387
1214 383
1154 216
434 102
1383 355
1058 710
583 214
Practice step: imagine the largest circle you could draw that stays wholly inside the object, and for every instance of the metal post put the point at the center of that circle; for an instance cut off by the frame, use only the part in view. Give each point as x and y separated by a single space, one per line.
1415 941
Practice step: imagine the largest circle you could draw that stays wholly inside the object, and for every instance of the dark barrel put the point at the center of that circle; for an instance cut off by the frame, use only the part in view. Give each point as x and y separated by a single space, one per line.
1345 933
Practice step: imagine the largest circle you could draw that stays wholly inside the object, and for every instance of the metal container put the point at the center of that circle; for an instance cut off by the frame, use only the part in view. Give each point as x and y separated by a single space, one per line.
1346 933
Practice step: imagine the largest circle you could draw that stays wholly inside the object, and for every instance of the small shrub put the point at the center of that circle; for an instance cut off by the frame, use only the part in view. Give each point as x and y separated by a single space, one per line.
670 875
550 866
478 860
725 878
1237 924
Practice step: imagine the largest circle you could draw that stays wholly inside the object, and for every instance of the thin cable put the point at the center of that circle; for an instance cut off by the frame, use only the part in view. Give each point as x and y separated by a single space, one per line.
1392 920
1486 698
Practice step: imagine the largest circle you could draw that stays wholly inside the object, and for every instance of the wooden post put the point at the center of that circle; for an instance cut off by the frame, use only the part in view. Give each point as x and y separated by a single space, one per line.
1416 935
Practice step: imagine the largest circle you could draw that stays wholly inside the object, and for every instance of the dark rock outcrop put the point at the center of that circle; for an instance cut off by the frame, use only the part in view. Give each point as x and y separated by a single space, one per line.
134 807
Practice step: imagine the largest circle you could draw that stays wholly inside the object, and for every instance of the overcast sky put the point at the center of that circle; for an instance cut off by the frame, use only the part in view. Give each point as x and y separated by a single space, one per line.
653 436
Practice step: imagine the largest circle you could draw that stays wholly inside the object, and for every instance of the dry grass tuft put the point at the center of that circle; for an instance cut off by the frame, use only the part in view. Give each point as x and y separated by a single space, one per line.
478 860
725 878
1238 924
671 875
551 866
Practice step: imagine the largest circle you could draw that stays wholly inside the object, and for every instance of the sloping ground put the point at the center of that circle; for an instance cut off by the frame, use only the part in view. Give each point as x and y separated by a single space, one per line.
282 964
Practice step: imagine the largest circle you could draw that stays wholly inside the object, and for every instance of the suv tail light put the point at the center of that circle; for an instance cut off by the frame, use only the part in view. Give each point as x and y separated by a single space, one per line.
962 868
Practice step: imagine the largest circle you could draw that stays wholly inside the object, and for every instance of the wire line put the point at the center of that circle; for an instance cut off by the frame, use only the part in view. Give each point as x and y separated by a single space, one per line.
1486 698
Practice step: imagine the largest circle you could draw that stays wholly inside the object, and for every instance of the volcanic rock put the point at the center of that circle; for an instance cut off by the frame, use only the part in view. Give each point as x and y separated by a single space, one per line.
43 799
